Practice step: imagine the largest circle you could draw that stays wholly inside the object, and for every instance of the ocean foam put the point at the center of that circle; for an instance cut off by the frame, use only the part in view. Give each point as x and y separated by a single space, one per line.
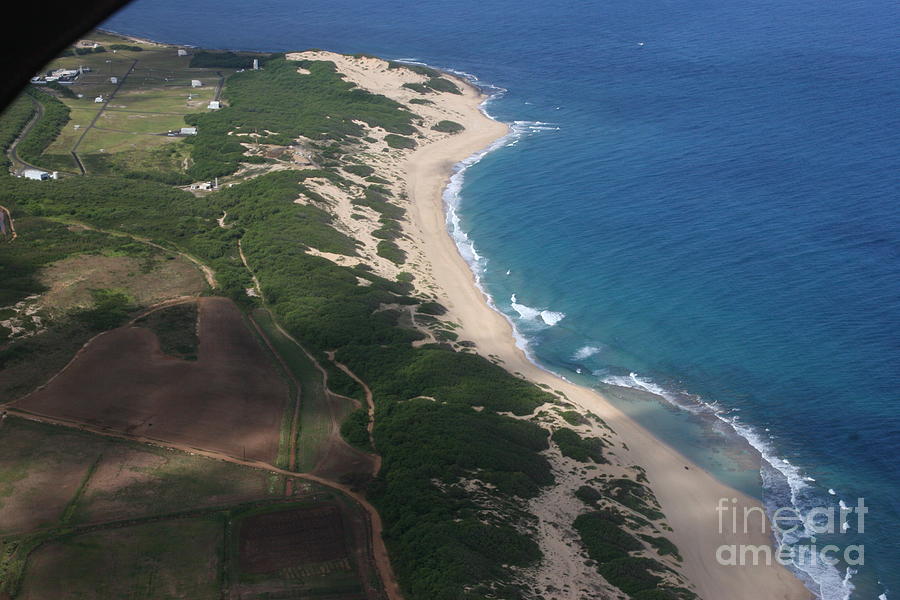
782 481
536 315
451 197
585 352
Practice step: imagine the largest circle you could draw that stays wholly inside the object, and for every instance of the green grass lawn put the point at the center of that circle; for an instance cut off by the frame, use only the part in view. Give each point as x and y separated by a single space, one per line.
139 122
98 140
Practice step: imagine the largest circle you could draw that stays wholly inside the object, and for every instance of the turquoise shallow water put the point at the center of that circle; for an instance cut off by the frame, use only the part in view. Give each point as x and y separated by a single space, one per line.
701 200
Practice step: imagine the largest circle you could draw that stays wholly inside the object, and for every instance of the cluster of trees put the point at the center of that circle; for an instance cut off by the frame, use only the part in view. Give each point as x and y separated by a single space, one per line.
576 447
610 546
435 81
399 141
447 127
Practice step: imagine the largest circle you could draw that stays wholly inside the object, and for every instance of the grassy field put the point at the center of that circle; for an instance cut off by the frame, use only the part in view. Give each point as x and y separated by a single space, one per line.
52 274
41 468
151 96
135 481
172 559
48 471
315 413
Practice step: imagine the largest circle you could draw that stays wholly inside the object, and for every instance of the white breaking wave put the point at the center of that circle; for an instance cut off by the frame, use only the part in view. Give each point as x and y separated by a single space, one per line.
451 198
537 315
585 352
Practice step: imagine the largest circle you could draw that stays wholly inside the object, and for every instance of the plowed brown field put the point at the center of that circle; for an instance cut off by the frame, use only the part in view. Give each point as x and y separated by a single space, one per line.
230 400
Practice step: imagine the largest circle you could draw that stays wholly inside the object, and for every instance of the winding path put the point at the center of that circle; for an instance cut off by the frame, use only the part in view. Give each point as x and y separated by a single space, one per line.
8 221
12 152
379 551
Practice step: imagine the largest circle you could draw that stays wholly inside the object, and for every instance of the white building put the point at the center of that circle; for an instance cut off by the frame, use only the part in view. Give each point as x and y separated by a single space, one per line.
214 105
35 174
255 64
182 52
114 80
188 131
99 100
196 83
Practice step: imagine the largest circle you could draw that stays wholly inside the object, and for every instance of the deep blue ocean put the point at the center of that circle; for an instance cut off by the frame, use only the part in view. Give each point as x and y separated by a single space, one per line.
700 199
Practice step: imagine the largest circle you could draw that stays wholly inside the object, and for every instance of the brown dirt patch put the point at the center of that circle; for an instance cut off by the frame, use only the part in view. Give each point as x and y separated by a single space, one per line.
230 400
71 280
281 540
129 482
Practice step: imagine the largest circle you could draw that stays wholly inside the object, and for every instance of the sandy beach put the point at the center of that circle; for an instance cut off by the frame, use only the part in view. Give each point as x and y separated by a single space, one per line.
687 494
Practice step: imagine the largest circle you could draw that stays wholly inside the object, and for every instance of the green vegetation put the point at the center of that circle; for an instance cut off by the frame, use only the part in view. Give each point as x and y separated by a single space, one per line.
610 546
432 308
315 410
573 417
157 557
399 141
176 329
162 164
227 60
420 101
604 538
110 310
354 429
12 121
448 127
73 51
581 449
44 131
588 495
434 82
361 170
63 90
635 496
663 546
438 423
128 47
320 106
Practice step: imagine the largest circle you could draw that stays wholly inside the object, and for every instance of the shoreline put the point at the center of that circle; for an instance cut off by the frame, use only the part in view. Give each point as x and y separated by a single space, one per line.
688 493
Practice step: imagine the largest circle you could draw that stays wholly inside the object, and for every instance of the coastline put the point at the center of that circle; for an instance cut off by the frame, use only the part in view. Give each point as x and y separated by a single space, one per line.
688 494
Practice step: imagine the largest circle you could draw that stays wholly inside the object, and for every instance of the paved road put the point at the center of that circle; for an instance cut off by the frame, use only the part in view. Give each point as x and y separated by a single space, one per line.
13 148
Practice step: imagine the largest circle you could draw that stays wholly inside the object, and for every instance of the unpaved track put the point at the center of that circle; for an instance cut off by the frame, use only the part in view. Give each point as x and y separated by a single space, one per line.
379 551
370 400
11 224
